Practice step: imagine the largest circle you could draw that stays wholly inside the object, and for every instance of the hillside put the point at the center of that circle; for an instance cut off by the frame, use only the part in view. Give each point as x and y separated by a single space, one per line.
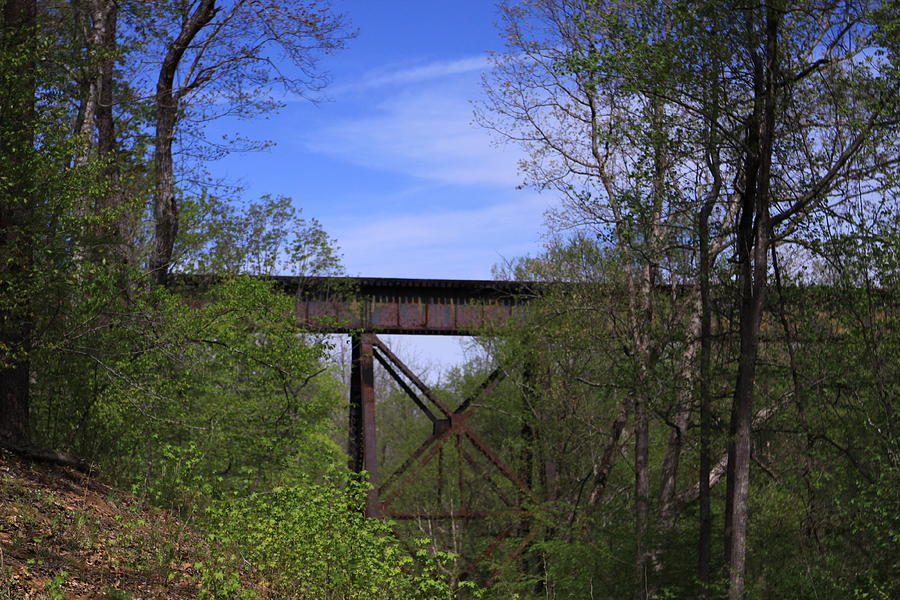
64 535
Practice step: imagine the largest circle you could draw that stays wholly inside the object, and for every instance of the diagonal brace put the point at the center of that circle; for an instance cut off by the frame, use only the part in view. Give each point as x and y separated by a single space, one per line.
410 375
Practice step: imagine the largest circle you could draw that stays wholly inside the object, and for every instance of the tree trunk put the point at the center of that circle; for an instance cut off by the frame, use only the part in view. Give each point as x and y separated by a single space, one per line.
602 469
96 117
642 492
17 97
165 209
679 427
105 16
642 320
714 161
705 534
753 252
668 497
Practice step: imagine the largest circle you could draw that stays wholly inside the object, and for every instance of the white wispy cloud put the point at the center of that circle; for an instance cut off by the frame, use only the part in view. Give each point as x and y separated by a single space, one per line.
449 244
417 123
426 132
404 75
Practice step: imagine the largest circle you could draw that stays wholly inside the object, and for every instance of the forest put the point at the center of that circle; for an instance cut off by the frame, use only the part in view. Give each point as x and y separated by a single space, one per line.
697 399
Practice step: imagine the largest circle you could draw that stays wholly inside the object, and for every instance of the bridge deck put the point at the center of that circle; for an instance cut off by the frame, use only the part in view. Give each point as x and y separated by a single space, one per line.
411 306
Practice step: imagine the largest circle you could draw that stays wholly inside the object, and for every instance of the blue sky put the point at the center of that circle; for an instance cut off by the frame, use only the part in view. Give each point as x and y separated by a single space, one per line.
391 163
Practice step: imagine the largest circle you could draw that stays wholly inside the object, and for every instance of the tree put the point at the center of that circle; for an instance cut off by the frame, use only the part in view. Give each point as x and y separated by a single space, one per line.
226 58
96 122
202 382
791 64
660 124
268 237
17 130
73 189
620 156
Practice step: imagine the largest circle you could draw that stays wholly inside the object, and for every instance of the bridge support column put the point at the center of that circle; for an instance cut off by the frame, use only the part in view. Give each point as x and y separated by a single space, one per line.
361 445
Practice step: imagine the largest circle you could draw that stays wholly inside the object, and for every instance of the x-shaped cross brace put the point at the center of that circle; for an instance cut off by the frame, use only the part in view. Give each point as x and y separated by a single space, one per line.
446 425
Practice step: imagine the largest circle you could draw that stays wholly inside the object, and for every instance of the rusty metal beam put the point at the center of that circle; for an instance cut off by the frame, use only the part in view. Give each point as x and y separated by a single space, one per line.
386 364
486 387
436 442
498 539
355 428
382 347
487 479
434 437
489 454
409 306
457 425
362 443
364 307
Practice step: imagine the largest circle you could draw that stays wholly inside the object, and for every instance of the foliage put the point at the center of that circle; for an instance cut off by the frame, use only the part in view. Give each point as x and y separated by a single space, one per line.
311 541
262 238
203 395
825 443
221 391
689 142
647 118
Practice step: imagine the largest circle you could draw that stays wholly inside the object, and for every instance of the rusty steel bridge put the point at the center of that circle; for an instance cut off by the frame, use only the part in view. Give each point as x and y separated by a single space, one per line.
367 307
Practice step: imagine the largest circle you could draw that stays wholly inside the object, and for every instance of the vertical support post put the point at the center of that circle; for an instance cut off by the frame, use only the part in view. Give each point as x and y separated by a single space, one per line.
355 432
361 446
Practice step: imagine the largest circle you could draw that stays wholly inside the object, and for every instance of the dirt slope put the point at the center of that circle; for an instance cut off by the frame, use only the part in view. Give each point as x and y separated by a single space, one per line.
64 535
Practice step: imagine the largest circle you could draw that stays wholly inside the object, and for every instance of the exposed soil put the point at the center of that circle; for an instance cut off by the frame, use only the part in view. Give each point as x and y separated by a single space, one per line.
65 535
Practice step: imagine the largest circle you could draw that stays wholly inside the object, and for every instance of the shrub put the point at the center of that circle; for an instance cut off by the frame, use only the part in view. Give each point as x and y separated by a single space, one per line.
311 541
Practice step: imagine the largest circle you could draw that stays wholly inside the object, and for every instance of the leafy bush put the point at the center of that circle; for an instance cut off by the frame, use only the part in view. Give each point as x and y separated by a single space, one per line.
311 541
215 387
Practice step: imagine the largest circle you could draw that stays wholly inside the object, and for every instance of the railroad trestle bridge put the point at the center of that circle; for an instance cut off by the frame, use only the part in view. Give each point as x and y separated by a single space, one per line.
367 307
